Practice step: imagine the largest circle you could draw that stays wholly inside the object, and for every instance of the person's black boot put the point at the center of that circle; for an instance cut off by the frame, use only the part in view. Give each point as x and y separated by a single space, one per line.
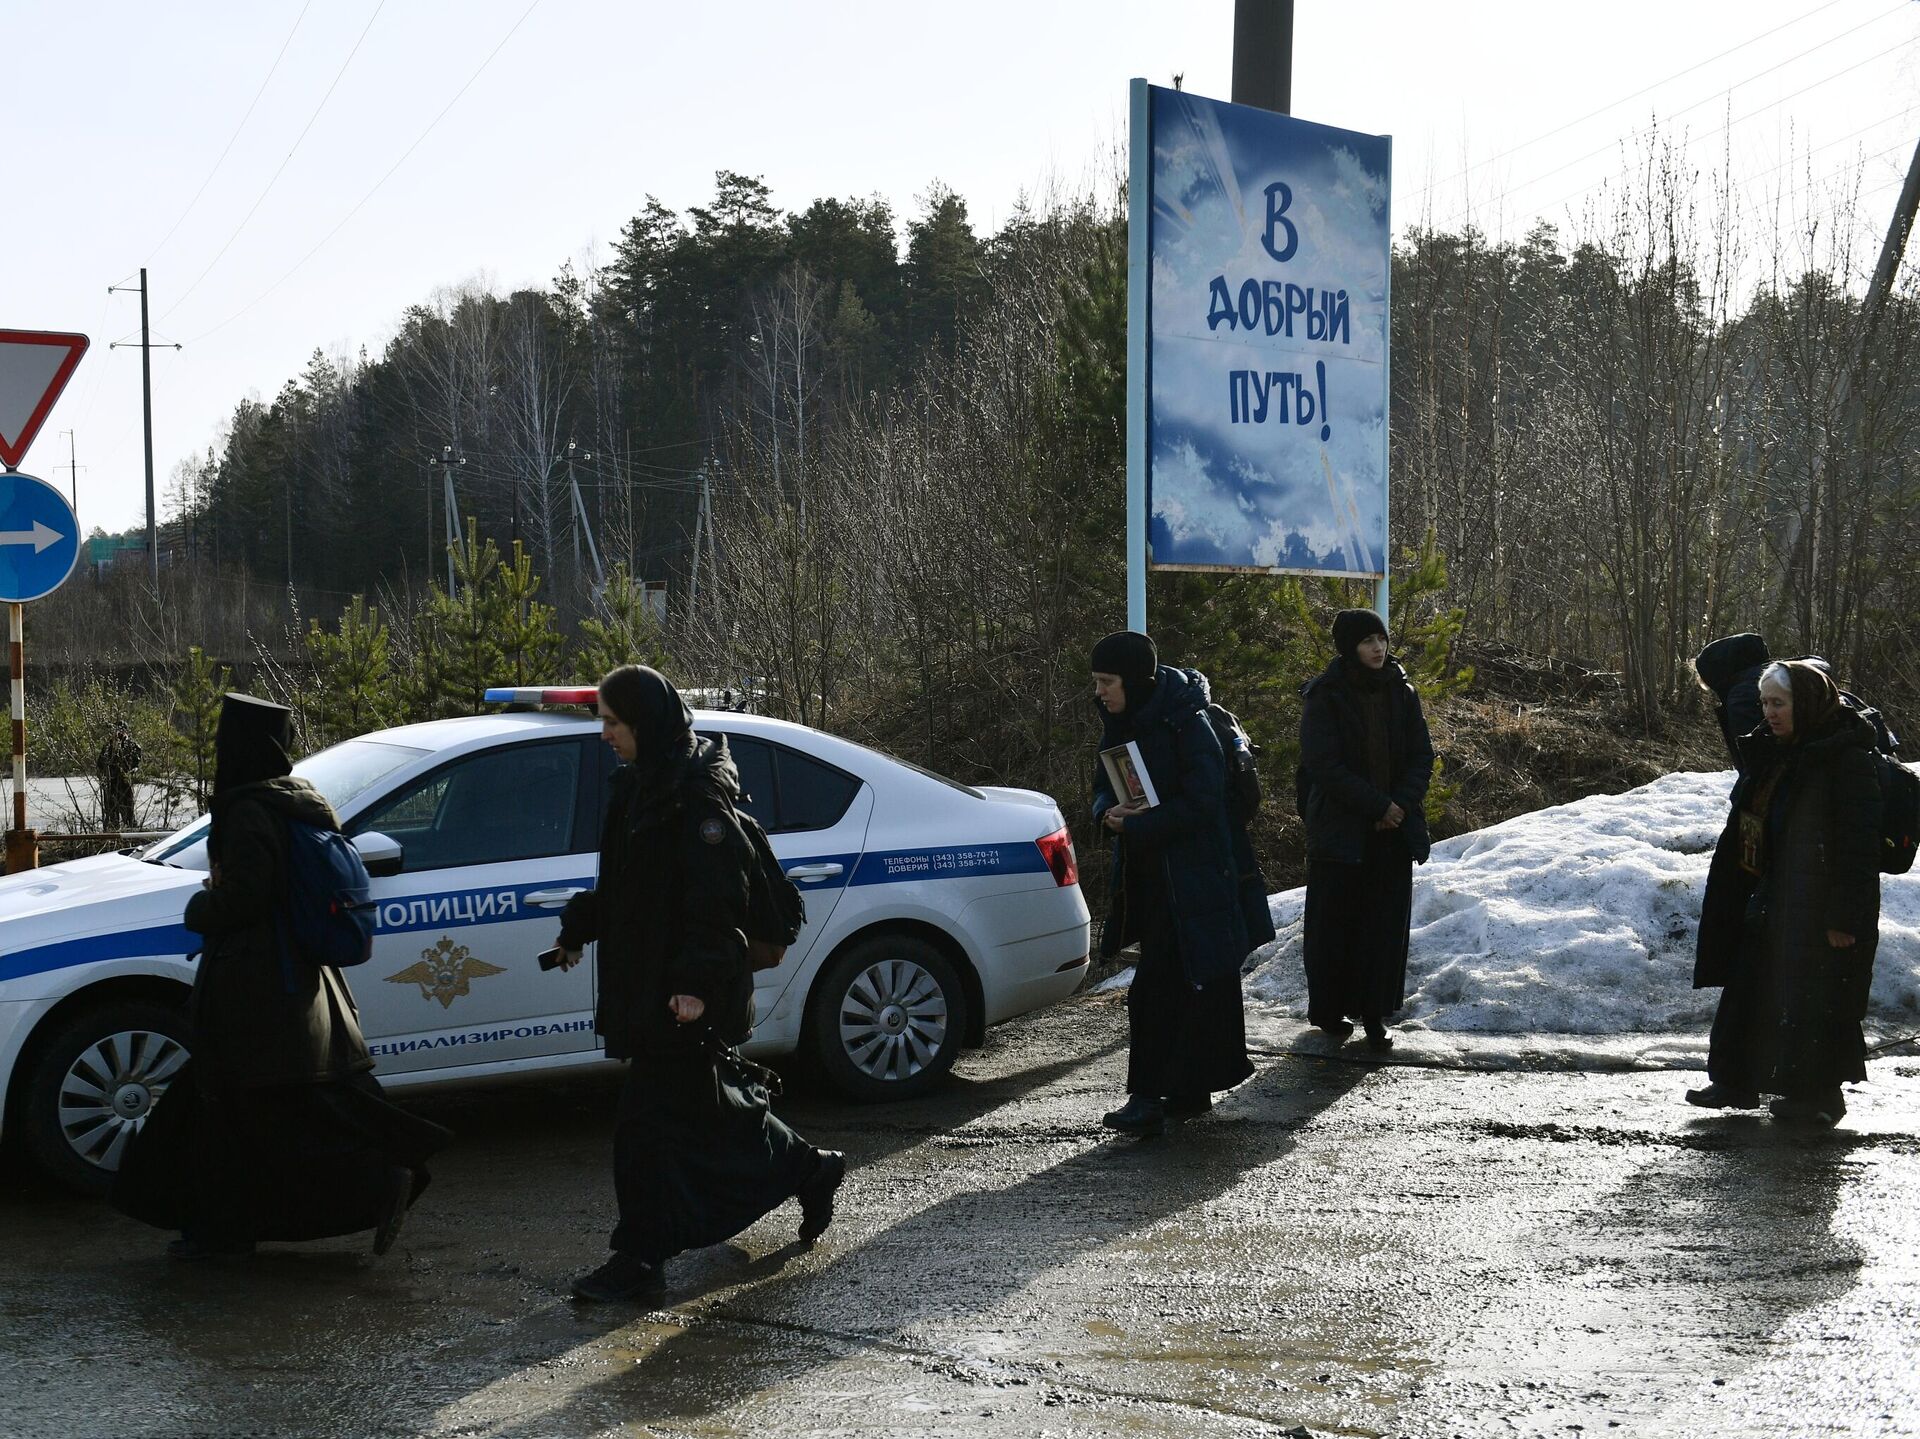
1821 1110
1141 1115
1723 1096
1378 1040
816 1195
1337 1030
393 1212
623 1278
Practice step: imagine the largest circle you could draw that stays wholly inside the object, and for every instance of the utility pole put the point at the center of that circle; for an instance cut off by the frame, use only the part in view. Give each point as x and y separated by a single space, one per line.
1263 54
73 472
146 412
448 462
580 525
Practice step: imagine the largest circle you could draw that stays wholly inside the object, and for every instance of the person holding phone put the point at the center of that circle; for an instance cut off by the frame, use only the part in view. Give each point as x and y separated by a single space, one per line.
697 1154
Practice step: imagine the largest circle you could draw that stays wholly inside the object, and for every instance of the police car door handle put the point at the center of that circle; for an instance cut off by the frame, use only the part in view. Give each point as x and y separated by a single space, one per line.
805 872
551 898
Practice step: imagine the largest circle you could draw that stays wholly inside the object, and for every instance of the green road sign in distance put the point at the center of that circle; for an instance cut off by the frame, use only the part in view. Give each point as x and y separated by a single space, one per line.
39 538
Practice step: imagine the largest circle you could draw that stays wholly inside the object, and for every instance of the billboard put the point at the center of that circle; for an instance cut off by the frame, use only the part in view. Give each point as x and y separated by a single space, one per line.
1266 263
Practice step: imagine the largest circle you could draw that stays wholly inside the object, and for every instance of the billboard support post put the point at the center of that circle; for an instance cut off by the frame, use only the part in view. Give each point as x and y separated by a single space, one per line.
1139 217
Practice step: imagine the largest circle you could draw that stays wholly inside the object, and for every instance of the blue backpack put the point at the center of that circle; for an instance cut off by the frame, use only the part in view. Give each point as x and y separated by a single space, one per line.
328 919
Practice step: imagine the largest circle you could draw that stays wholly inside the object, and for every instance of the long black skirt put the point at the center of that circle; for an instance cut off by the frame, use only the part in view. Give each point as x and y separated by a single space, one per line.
1181 1039
283 1163
1356 932
698 1155
1788 1021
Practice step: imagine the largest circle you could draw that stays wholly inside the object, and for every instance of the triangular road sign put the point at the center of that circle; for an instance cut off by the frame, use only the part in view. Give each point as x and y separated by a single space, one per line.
35 366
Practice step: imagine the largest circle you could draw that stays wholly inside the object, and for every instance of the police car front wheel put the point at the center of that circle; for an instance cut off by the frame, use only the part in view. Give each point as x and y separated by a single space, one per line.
93 1084
889 1017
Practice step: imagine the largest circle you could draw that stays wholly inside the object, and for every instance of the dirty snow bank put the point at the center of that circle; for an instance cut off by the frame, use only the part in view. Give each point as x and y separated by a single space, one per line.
1575 920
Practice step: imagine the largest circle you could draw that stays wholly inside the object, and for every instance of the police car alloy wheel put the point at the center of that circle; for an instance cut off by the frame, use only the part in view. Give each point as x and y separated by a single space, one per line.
95 1082
889 1017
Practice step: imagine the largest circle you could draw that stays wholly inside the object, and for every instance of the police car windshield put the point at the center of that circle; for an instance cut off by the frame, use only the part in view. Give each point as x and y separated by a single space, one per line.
341 774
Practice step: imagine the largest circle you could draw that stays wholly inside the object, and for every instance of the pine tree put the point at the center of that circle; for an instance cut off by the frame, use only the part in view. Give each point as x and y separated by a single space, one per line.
352 674
624 633
466 627
531 645
195 692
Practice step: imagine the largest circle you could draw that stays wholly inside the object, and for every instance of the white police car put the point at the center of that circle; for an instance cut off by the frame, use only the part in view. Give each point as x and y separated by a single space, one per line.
934 909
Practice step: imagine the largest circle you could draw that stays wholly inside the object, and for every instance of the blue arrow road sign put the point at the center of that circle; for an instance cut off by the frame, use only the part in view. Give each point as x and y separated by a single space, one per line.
39 538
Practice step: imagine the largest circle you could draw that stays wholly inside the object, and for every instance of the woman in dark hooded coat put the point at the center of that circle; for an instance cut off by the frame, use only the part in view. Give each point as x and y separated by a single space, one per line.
1175 890
1791 916
1365 763
276 1128
697 1154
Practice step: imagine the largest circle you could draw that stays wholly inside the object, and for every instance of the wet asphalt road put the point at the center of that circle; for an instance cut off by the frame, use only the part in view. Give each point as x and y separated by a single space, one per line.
1350 1247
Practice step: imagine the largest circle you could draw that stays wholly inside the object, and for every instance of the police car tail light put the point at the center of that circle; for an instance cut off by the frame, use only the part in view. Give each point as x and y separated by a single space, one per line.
543 695
1057 850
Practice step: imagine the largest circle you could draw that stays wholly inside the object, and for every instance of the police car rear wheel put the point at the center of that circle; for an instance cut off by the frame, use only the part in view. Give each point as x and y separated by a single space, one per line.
888 1018
94 1083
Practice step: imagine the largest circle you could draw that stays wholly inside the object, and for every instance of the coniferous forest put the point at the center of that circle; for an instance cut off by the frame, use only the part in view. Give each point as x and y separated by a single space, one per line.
878 462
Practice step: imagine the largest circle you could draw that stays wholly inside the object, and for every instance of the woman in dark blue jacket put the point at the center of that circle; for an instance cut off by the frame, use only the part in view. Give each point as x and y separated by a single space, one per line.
1175 889
1365 762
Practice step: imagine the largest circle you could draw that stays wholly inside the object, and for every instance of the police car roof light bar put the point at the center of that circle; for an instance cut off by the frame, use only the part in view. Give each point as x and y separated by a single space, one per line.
543 695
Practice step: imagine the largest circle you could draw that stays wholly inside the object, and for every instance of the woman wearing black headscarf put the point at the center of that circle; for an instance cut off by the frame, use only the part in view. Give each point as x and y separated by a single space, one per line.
1175 889
1365 763
276 1129
697 1154
1791 916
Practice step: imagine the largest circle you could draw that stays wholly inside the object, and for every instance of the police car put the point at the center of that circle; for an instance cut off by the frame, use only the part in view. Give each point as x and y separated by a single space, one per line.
934 909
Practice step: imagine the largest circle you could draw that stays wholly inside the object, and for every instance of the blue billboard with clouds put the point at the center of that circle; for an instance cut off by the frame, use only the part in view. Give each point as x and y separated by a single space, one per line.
1267 341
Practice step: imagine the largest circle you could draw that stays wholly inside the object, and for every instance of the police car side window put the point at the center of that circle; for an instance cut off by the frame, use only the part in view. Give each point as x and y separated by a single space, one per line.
513 802
755 763
812 795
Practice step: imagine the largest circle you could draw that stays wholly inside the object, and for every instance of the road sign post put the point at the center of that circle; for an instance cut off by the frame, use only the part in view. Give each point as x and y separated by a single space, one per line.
39 531
23 845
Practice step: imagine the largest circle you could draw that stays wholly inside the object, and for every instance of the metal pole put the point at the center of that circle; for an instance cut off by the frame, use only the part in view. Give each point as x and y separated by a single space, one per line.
17 671
22 852
574 514
453 528
1263 54
73 473
146 411
1138 217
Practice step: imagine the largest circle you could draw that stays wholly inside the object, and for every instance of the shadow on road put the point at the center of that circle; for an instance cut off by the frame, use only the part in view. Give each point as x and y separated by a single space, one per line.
966 1253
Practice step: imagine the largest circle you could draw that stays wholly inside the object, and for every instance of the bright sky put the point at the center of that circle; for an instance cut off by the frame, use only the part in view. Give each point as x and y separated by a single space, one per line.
294 173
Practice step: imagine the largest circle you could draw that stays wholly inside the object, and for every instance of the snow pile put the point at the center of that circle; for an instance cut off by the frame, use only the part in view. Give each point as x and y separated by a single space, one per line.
1577 920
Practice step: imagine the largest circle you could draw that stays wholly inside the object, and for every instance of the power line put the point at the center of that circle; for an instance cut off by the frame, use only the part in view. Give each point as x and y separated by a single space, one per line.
431 126
1647 89
1688 142
271 70
261 198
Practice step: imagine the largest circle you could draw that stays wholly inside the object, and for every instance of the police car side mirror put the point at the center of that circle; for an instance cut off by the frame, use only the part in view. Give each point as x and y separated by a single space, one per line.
381 855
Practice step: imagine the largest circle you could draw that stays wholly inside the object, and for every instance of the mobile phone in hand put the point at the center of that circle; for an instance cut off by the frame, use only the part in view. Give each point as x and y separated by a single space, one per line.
552 957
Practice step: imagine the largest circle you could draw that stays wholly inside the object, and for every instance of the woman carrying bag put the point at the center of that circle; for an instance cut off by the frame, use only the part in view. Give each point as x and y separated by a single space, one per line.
698 1156
276 1129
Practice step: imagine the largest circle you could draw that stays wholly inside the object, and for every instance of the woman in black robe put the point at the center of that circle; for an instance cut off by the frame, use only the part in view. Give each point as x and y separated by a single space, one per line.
697 1154
1365 763
1791 916
1175 889
276 1129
